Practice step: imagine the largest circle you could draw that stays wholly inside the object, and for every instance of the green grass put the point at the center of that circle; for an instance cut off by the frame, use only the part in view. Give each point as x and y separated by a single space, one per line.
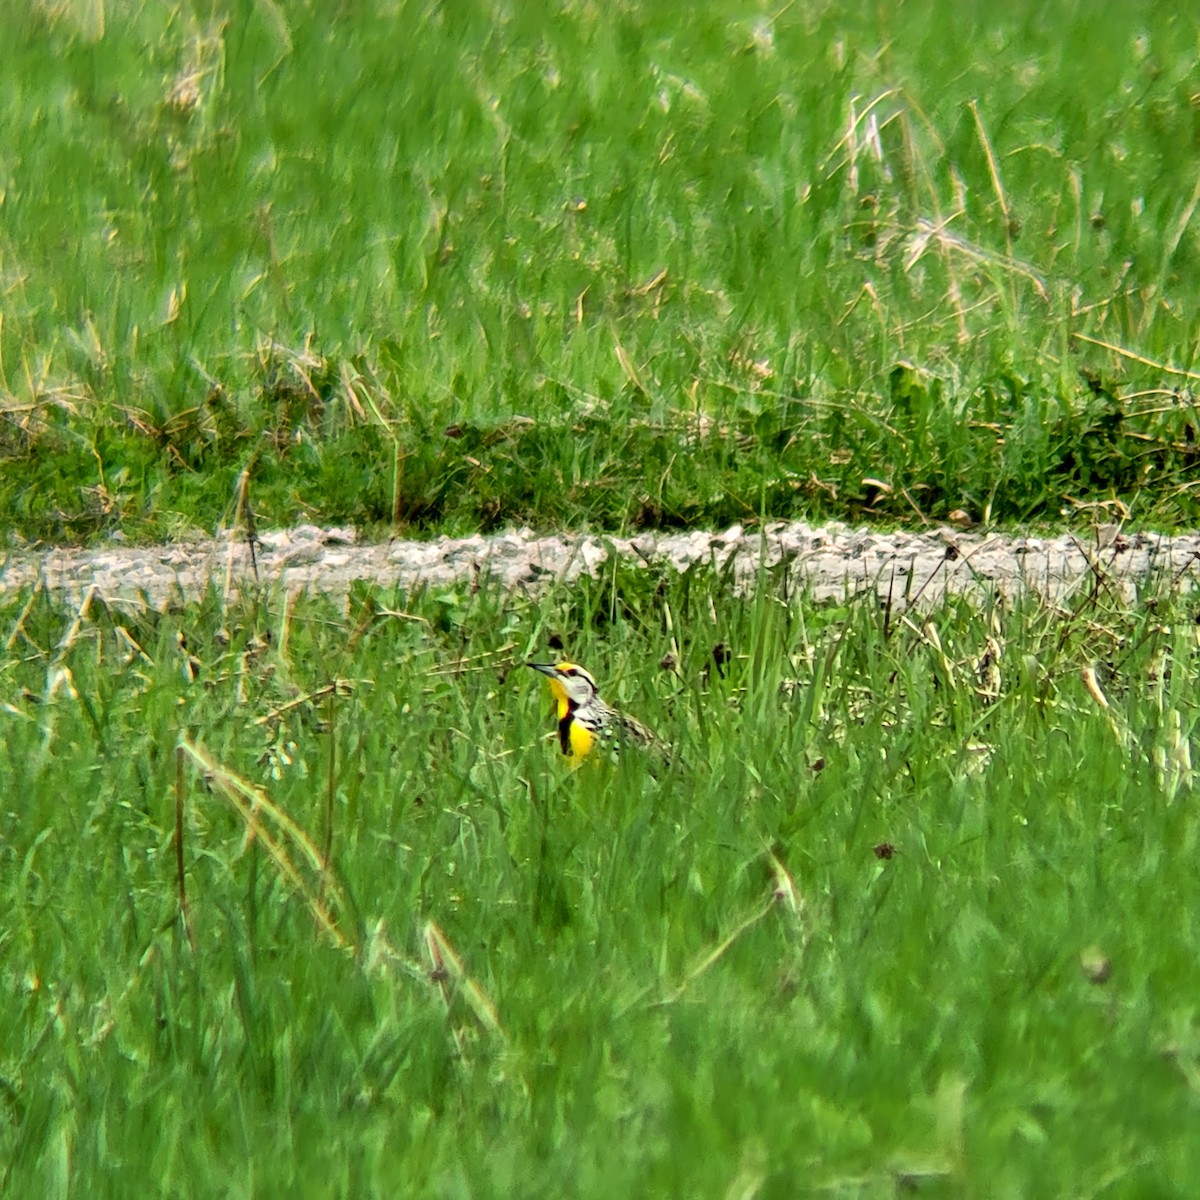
714 982
452 266
917 914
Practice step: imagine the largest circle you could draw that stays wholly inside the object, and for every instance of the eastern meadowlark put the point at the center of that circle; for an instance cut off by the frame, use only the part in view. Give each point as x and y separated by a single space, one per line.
584 719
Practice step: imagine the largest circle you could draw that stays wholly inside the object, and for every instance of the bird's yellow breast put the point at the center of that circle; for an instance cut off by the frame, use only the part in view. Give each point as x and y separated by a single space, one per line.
575 738
582 740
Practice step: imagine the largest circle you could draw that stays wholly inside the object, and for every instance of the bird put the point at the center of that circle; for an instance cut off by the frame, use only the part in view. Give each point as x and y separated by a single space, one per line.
584 719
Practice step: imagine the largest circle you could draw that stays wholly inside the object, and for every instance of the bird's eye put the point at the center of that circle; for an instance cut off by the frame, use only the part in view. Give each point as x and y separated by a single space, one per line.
569 671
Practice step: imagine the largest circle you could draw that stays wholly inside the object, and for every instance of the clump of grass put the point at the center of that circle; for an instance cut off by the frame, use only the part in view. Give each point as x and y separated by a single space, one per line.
909 889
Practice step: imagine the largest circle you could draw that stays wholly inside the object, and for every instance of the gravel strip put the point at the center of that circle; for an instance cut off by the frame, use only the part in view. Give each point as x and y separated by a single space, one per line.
831 561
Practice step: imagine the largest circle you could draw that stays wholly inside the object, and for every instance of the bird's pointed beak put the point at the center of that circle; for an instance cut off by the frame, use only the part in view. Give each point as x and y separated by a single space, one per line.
545 668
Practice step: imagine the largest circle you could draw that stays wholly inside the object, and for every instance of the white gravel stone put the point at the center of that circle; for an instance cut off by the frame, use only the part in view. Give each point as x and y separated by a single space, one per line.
832 562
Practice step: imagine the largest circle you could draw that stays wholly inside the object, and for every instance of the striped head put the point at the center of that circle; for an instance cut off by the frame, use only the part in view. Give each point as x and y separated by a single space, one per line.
572 686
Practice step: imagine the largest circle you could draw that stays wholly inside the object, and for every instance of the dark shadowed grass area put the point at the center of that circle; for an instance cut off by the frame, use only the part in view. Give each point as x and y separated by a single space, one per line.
455 266
916 912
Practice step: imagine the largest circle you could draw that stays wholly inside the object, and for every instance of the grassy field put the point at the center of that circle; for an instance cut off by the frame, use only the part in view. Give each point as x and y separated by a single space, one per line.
915 914
450 266
300 899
